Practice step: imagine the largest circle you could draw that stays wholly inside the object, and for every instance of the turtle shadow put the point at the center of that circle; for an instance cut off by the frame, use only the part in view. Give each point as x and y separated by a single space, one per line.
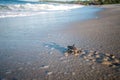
56 46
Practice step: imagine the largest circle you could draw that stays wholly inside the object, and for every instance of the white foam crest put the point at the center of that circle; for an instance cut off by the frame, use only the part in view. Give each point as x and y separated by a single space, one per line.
37 7
14 10
11 14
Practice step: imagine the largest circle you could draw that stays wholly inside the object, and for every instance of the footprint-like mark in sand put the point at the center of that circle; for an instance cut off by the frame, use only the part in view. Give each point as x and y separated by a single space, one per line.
56 46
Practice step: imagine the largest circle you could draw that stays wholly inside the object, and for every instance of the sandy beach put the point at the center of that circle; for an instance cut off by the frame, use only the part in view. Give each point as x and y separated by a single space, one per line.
96 38
102 32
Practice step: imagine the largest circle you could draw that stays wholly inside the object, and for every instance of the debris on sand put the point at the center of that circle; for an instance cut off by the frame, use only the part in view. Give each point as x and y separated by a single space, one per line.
66 54
94 56
44 66
73 73
107 63
49 73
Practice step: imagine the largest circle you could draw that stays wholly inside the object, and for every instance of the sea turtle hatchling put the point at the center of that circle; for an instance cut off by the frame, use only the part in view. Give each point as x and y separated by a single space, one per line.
72 50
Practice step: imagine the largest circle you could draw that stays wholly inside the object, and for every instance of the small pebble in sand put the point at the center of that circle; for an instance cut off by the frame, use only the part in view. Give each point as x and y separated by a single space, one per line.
44 66
90 54
87 59
96 52
91 51
113 66
90 58
62 58
92 67
117 61
65 72
83 52
97 56
113 56
97 71
73 73
105 58
66 54
76 54
49 73
107 63
93 60
84 57
107 54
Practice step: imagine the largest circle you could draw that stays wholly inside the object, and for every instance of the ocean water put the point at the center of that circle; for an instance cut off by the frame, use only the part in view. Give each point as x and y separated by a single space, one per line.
25 23
40 16
21 8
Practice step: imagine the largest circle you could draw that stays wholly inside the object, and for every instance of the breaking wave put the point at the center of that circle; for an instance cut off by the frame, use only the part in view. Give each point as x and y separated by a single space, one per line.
13 10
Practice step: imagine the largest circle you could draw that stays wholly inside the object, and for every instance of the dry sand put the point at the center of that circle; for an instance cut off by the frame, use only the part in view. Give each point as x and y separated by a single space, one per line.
101 35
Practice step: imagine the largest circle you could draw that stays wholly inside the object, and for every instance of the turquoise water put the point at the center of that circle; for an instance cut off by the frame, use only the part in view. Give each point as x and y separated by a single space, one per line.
22 9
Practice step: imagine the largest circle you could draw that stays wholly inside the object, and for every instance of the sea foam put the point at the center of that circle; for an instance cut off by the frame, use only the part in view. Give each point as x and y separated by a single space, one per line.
28 9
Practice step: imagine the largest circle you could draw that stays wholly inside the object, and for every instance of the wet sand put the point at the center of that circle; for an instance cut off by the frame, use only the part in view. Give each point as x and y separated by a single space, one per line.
46 61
